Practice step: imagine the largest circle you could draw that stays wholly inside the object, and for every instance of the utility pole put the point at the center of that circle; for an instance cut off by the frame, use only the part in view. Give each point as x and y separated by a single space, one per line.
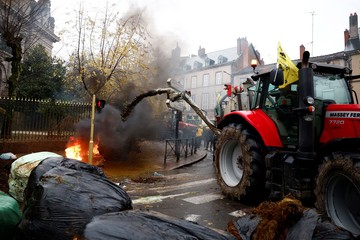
312 32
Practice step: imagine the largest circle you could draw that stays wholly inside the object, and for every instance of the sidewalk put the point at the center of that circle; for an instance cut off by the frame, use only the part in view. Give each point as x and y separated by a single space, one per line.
172 164
148 161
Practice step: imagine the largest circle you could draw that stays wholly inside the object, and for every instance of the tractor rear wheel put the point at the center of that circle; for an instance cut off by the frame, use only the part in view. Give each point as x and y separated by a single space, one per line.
239 165
338 190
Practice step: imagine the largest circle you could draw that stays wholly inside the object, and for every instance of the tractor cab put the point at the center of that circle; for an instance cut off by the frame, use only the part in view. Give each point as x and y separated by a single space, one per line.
280 102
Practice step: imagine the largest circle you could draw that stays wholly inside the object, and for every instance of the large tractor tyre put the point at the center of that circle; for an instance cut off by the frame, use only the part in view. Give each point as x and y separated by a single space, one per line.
239 165
338 190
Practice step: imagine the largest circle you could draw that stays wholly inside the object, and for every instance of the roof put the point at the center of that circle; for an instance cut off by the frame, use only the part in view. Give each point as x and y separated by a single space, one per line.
218 57
326 58
229 53
259 68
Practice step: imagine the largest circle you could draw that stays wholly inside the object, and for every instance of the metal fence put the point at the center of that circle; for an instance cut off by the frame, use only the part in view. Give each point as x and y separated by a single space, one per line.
29 119
177 147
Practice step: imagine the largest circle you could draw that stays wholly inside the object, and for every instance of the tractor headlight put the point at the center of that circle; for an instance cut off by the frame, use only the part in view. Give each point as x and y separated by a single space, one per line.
309 100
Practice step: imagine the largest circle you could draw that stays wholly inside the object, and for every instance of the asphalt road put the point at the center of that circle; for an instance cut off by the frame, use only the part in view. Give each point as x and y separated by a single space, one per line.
189 193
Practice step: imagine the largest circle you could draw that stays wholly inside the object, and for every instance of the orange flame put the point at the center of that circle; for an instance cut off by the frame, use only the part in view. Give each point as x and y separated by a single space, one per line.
96 150
75 151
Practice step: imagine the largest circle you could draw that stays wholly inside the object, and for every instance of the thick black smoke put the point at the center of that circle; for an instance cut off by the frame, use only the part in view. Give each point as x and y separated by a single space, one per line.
148 120
116 139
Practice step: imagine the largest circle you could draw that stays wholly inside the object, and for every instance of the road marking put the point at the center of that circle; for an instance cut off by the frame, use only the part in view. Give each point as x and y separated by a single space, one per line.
192 217
237 213
155 199
204 198
182 186
179 175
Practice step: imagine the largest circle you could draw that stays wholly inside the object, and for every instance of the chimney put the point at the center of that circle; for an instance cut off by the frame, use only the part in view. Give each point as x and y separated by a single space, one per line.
354 31
201 52
243 49
242 46
346 36
302 50
175 54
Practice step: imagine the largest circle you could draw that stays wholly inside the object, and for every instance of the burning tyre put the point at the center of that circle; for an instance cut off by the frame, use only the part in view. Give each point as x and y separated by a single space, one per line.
338 191
239 164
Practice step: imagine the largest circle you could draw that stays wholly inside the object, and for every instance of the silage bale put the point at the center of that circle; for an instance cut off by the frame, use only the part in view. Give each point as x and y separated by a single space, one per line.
286 219
51 162
20 172
64 200
150 225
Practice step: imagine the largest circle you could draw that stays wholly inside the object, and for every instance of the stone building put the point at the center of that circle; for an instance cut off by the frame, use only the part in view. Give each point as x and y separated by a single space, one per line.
350 57
40 31
205 74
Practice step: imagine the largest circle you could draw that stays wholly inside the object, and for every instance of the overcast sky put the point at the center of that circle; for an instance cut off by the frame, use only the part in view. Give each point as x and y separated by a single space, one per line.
216 24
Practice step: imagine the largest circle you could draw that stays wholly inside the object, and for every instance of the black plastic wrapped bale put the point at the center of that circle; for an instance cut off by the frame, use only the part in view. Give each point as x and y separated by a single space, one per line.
52 162
147 225
309 227
64 200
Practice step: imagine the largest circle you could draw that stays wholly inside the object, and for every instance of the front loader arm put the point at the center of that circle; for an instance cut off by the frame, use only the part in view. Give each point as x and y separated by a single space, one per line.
128 108
172 95
198 111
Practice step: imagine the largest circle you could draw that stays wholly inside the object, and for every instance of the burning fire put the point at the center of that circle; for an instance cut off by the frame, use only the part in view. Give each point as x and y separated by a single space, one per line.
75 151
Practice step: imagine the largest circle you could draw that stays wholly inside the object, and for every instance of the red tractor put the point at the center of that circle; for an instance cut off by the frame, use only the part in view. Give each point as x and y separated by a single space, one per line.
298 137
302 139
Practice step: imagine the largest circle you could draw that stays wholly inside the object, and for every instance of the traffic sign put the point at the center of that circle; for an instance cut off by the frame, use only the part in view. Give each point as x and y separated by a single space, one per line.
178 105
175 85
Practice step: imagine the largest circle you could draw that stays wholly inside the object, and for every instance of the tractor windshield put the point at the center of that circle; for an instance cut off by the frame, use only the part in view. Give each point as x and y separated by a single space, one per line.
279 103
332 87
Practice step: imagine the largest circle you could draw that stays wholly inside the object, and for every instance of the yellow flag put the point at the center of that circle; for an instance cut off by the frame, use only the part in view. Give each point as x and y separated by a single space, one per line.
289 68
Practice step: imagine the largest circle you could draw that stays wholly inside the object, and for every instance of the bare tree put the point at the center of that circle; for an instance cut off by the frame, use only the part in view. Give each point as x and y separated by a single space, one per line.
110 49
16 23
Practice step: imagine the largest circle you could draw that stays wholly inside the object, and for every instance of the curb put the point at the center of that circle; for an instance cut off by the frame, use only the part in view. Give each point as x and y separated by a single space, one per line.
187 163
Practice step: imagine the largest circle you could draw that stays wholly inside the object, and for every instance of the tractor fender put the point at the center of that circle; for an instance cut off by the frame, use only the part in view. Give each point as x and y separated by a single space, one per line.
338 144
259 121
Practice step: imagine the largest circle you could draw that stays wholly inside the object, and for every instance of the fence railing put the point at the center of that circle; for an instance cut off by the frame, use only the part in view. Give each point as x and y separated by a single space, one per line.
29 119
178 147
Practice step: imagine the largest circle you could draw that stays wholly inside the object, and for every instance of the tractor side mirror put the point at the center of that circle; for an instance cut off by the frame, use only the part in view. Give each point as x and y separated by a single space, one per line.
277 77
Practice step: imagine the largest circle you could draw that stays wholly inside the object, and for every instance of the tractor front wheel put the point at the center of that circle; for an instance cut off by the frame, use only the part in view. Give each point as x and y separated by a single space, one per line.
239 165
338 190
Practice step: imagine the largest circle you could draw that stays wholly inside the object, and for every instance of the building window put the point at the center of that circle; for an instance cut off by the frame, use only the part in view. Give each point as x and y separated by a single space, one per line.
222 59
218 78
193 82
187 83
206 80
205 101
